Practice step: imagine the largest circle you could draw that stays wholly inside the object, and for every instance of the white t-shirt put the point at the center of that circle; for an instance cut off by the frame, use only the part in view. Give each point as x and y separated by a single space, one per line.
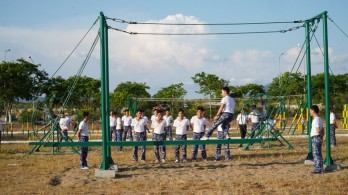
83 126
332 118
118 123
112 121
229 104
63 123
139 125
198 124
169 119
254 117
181 126
127 120
158 128
242 119
317 122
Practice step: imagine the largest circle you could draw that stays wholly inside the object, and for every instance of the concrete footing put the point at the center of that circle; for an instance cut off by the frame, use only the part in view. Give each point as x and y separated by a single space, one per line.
333 167
110 173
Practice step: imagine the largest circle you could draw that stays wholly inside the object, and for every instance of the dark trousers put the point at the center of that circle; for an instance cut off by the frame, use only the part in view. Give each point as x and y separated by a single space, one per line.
243 130
317 142
139 137
177 148
198 136
159 137
118 137
84 152
333 135
127 131
224 119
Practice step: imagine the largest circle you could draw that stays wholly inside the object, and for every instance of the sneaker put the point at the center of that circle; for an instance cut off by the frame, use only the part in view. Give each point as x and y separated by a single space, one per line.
205 138
240 146
163 161
86 167
228 159
216 160
134 160
194 160
227 136
205 160
184 161
156 161
177 161
143 161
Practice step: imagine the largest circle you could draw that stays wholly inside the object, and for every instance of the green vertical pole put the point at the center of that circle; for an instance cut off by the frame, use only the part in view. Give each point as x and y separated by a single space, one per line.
309 89
328 159
107 91
103 65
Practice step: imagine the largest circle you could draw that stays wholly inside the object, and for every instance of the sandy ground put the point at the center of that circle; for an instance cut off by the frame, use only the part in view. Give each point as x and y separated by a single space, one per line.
258 171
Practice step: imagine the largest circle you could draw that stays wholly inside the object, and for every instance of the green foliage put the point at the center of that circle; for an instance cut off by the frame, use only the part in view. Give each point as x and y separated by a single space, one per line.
172 91
128 89
289 84
246 90
210 84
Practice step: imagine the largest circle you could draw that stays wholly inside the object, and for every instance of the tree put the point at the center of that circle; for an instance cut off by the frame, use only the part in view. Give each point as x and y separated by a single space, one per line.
128 89
172 91
210 85
20 80
289 84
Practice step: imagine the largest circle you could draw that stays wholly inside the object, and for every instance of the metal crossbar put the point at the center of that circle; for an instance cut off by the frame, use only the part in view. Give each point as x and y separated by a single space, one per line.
155 143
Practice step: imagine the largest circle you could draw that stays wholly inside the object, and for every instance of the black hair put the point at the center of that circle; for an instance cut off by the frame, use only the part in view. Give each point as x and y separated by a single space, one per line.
159 111
114 113
85 114
126 110
200 108
226 89
181 110
315 108
140 110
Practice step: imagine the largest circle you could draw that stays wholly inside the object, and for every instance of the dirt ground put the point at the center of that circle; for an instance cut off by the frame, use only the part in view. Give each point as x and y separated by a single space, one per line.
257 171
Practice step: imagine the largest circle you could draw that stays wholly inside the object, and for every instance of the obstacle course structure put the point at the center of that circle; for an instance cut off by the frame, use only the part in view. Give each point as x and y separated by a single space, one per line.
104 66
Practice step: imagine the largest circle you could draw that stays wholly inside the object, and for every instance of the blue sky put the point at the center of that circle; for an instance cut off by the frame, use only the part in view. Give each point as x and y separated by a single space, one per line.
48 30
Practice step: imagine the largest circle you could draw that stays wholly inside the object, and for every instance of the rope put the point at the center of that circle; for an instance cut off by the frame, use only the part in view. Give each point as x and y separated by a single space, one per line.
321 50
223 33
338 27
75 48
202 24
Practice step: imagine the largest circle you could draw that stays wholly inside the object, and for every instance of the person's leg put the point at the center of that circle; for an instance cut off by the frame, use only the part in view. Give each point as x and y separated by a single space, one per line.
143 148
333 135
177 149
163 148
253 129
125 132
184 151
224 119
218 146
130 133
202 148
318 160
156 148
65 132
195 147
170 132
135 149
83 154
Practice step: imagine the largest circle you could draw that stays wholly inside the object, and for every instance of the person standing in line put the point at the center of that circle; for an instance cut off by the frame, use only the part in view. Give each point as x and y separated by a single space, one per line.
198 125
112 125
317 134
254 119
181 126
220 136
333 126
119 130
224 115
127 121
139 124
82 134
158 129
242 120
169 119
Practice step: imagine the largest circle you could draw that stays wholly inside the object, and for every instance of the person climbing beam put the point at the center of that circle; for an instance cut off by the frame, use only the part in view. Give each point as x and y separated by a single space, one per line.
224 115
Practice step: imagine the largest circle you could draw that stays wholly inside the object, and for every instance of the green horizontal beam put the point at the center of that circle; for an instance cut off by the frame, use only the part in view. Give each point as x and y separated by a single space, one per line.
153 143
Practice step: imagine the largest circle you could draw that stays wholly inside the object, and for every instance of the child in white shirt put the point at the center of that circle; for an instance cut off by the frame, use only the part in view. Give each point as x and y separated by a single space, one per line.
181 126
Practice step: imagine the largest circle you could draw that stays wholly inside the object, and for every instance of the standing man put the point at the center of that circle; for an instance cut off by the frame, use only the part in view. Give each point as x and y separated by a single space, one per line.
242 120
227 152
333 126
198 125
64 125
127 121
317 134
112 125
169 119
83 137
119 130
254 119
158 129
224 115
181 126
139 124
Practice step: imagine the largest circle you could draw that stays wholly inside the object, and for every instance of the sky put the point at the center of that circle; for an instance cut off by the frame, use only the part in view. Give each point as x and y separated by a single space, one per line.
48 31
